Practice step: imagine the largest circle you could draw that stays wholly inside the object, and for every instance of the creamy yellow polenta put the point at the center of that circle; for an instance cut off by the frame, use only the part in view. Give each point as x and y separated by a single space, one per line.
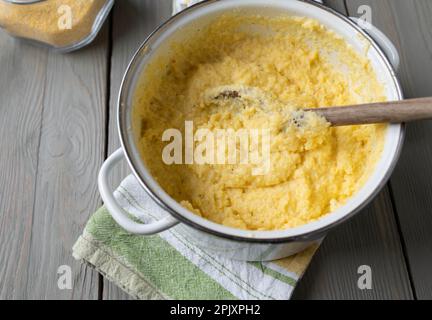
300 64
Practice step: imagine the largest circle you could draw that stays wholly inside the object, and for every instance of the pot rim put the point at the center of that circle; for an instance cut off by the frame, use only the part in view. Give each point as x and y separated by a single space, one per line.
125 131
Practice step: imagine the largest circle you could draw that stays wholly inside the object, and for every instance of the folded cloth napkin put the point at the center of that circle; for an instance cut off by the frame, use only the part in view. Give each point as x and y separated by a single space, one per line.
165 266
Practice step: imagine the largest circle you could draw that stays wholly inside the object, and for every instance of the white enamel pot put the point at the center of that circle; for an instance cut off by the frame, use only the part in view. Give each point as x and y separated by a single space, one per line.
216 238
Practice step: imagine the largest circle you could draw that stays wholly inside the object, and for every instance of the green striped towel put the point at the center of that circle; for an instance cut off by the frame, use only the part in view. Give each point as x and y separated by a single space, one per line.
166 266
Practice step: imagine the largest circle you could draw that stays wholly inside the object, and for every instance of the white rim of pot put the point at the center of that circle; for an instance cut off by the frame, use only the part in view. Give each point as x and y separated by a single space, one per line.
309 231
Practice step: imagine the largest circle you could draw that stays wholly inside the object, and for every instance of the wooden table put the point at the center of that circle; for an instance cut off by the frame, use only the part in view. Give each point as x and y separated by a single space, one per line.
57 125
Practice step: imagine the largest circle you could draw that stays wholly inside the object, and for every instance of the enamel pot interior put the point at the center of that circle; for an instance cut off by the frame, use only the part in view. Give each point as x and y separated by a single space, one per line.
195 18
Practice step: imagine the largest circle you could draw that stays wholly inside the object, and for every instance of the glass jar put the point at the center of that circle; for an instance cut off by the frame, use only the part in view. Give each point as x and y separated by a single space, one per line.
64 25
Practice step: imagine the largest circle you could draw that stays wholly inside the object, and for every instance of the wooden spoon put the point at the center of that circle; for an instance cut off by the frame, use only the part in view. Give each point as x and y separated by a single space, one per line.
370 113
382 112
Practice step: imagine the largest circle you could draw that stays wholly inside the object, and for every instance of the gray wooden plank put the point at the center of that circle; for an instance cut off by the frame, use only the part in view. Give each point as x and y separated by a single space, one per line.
71 152
133 21
338 5
371 238
53 129
22 79
408 24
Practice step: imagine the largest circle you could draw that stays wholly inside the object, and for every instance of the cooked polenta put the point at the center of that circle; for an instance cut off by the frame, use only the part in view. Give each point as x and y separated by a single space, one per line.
296 63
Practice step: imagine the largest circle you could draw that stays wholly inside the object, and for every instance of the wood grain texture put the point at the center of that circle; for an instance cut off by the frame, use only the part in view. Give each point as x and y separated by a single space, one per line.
371 238
53 134
133 21
408 24
71 152
22 80
381 112
338 5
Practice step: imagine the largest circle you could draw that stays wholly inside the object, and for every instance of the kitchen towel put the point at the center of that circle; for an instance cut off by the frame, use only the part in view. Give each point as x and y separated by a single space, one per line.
166 266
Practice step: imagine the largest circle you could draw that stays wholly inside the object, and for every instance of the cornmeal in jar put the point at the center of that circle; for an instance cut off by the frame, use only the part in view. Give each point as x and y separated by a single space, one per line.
297 63
42 21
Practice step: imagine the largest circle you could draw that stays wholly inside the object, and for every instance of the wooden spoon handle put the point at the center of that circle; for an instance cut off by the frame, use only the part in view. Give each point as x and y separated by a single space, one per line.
393 112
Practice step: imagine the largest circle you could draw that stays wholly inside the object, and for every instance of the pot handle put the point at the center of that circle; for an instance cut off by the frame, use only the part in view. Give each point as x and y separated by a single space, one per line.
383 41
117 212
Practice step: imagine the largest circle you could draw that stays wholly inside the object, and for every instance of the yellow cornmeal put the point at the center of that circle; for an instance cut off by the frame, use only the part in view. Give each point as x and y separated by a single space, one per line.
300 64
40 21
